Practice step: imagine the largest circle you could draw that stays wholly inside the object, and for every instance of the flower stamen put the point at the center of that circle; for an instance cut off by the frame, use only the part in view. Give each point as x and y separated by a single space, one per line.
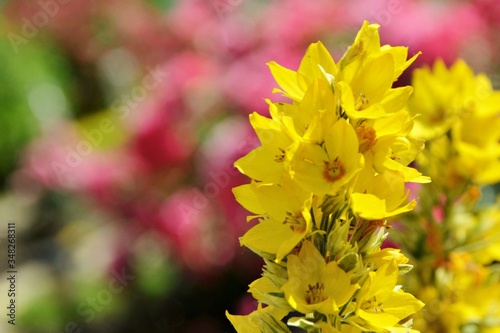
296 221
367 138
314 294
372 305
280 157
361 102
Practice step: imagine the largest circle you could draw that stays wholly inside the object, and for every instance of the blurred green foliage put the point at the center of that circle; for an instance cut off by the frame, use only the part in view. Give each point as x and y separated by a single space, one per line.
28 79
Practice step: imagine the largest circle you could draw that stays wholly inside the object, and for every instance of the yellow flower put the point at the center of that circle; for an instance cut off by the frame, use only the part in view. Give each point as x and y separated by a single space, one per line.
333 158
383 141
381 257
463 106
402 151
366 46
266 320
364 78
477 141
376 197
363 99
381 304
266 291
285 209
463 294
485 241
440 97
319 104
316 64
315 285
265 163
366 74
324 168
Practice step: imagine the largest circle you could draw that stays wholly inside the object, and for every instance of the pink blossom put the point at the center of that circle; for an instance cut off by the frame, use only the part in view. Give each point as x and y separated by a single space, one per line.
199 238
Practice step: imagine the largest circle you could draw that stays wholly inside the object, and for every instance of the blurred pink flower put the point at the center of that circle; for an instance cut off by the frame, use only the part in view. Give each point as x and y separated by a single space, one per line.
200 239
87 31
63 159
258 79
159 143
302 22
489 10
438 30
229 140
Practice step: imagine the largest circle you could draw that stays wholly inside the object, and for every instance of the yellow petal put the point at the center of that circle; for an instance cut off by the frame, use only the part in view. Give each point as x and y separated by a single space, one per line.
288 81
245 195
260 164
272 236
268 317
316 57
375 78
370 207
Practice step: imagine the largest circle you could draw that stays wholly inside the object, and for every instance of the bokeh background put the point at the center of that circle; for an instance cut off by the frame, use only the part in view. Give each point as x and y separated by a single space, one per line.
120 121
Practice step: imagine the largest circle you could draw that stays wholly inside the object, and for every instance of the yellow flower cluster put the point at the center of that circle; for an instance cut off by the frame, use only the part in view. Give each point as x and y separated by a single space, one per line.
458 114
464 297
454 241
330 171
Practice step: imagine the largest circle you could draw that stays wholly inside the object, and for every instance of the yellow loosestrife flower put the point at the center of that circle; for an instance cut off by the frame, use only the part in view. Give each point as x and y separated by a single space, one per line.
381 304
266 320
316 64
366 73
376 197
315 285
265 163
331 168
441 96
461 107
464 295
452 238
323 169
286 217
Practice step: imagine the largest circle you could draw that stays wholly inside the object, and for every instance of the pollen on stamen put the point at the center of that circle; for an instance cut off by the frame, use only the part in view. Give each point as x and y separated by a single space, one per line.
333 170
280 157
367 138
372 305
296 221
361 102
314 294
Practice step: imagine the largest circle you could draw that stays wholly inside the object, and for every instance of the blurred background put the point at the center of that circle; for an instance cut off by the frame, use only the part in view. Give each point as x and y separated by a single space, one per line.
120 122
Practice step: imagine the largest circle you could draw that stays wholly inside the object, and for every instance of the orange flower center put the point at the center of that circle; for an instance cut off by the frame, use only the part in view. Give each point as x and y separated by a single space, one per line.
333 170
